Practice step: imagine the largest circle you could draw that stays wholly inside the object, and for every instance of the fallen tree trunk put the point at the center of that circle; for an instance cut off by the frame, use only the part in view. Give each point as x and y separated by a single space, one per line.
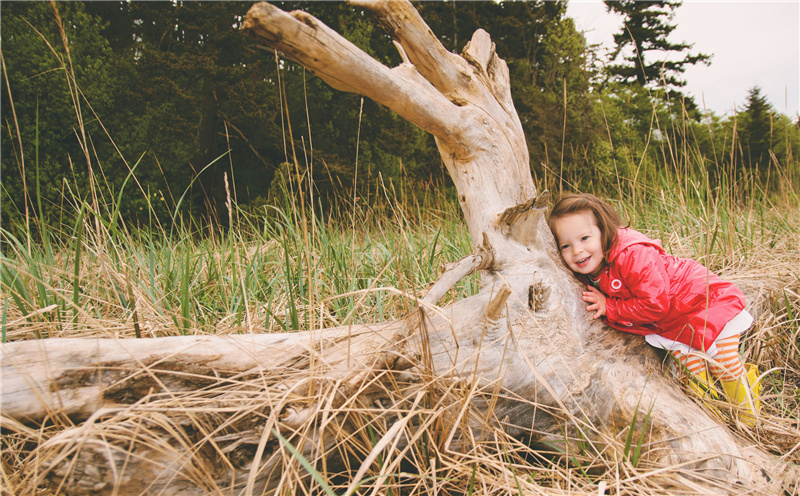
197 415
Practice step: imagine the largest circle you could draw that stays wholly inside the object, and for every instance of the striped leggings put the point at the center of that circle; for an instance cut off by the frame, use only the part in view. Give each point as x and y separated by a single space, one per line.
726 365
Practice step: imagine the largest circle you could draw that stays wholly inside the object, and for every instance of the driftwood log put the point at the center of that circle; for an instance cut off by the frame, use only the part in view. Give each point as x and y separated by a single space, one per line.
199 415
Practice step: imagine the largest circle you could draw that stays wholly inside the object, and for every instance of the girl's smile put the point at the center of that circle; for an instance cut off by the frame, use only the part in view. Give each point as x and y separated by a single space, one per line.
580 243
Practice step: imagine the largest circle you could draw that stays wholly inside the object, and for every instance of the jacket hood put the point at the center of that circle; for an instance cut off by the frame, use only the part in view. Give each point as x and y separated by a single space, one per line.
628 237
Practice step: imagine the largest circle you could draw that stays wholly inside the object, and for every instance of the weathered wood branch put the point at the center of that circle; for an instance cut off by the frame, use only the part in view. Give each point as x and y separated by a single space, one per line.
345 67
292 383
476 127
201 414
79 376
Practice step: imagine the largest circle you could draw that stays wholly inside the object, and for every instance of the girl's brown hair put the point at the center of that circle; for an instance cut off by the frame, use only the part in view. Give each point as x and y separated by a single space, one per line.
608 220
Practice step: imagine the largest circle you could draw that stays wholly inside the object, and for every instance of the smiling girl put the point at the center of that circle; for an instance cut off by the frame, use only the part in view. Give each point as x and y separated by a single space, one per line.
675 303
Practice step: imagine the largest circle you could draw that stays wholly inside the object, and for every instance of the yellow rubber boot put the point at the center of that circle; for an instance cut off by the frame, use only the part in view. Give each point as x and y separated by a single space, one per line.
745 394
701 385
755 385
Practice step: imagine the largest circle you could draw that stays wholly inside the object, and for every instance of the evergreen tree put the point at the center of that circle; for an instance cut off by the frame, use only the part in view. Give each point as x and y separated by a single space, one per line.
196 89
757 121
44 91
645 29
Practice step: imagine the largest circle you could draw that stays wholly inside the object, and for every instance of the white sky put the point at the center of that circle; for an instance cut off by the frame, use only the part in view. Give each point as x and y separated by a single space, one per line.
754 42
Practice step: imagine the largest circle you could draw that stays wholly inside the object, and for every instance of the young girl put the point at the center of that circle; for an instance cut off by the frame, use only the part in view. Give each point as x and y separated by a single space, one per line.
676 303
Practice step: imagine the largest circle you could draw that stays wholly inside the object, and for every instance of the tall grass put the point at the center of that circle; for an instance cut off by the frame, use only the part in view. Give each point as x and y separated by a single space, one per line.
291 266
269 273
272 272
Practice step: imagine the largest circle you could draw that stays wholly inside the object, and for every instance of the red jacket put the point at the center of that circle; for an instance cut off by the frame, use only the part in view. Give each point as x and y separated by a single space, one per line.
649 291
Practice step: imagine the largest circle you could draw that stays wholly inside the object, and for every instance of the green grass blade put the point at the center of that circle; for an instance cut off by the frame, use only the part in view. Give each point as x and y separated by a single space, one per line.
305 463
186 191
637 451
4 319
185 295
471 485
115 214
76 287
42 222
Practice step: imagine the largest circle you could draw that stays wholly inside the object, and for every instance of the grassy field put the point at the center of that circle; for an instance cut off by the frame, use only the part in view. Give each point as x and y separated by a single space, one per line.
280 269
287 268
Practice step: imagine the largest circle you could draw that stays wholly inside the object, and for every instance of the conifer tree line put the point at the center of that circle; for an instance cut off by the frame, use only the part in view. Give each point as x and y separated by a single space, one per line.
176 93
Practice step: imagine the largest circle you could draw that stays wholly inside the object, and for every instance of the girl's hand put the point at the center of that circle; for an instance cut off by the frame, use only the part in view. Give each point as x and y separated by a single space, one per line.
597 300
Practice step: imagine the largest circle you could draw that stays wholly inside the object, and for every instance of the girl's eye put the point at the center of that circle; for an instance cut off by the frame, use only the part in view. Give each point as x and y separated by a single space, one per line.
584 238
564 247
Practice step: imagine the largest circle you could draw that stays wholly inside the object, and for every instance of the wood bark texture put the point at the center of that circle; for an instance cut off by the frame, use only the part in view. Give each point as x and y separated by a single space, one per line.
198 414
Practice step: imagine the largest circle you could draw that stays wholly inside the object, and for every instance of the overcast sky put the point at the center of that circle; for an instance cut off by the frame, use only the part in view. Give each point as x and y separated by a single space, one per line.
755 42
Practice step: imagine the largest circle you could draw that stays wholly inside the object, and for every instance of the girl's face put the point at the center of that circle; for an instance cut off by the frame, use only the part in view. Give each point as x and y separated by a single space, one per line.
580 242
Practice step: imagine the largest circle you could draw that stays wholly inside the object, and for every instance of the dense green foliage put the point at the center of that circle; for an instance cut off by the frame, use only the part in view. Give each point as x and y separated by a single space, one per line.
167 106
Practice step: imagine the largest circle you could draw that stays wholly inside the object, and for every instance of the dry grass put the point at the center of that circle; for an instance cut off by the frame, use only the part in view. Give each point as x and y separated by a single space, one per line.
396 436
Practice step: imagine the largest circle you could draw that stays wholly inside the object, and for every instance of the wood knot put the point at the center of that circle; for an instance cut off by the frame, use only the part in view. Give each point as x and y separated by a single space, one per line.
495 306
512 214
521 222
537 296
486 252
